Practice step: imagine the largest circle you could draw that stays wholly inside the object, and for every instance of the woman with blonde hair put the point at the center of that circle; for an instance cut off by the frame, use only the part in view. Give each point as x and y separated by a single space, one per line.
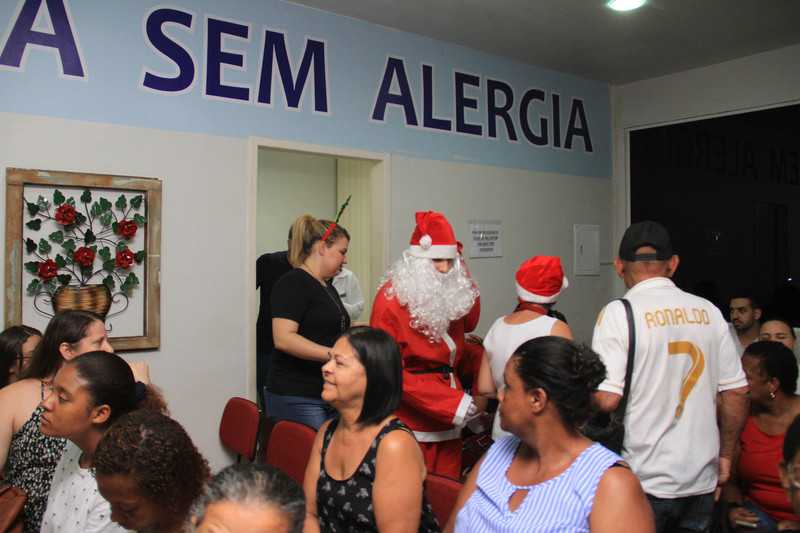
307 318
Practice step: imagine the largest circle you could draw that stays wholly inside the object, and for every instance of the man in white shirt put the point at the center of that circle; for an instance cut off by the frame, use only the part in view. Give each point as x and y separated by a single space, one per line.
745 315
684 360
346 284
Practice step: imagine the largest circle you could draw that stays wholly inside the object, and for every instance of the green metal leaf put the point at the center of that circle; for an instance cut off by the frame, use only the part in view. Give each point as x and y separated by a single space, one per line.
109 282
32 267
30 245
140 220
69 245
44 247
58 197
33 209
86 197
140 255
121 203
64 279
104 253
35 224
106 218
57 237
136 202
89 237
33 287
60 261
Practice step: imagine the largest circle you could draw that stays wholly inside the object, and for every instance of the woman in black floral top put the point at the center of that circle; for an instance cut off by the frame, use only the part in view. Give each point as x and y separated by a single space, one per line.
366 469
29 457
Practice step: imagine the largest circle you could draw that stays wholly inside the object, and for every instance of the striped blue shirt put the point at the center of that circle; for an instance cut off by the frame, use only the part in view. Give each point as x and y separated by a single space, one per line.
561 504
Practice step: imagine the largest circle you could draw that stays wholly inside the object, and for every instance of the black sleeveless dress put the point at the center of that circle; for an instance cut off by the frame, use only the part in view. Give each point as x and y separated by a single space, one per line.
346 506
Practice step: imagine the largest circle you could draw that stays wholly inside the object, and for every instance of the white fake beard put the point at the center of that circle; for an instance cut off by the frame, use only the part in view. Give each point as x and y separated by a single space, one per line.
433 299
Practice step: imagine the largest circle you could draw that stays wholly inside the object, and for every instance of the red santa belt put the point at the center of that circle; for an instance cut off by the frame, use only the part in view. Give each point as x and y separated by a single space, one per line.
443 369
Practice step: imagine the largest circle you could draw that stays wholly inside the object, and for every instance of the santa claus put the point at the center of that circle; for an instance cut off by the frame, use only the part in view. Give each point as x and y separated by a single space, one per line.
427 301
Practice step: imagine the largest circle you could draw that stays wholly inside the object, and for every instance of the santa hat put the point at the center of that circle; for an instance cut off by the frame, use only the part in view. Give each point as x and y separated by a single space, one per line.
541 279
433 237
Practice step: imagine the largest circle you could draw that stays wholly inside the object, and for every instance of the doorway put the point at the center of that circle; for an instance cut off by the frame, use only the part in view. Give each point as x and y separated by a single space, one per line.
291 179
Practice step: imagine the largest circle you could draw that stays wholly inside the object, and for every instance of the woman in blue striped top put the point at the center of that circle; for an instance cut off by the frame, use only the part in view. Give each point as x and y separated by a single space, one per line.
547 477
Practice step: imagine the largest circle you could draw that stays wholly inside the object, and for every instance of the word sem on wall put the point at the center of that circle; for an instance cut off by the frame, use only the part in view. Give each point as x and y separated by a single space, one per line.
499 102
482 106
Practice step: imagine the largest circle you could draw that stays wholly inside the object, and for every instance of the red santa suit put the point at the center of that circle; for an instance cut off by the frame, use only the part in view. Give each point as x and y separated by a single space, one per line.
434 404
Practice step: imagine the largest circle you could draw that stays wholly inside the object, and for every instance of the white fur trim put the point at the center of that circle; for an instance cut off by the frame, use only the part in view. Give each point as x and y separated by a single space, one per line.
538 299
425 242
436 251
460 417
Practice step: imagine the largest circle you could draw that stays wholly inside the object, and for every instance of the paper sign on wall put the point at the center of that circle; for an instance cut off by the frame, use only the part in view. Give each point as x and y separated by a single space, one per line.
486 238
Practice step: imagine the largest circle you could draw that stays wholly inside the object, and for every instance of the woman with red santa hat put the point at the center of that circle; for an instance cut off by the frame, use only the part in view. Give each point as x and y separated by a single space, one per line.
539 281
426 302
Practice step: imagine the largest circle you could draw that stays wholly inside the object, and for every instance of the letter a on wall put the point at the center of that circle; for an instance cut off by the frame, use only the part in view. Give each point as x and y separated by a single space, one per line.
62 38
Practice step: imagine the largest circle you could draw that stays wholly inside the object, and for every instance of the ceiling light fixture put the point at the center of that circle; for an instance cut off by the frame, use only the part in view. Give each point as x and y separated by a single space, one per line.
625 5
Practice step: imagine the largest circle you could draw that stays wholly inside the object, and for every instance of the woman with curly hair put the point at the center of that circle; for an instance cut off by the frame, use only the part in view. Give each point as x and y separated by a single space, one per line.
88 394
150 471
547 475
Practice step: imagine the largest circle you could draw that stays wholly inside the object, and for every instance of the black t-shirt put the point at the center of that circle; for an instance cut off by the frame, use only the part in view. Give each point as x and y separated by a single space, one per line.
269 268
298 296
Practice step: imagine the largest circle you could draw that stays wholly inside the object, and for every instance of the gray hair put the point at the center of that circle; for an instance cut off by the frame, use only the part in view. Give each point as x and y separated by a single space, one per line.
254 484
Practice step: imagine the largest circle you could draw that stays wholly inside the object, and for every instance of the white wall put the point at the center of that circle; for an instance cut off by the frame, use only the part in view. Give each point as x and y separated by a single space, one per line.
203 359
759 81
291 184
538 211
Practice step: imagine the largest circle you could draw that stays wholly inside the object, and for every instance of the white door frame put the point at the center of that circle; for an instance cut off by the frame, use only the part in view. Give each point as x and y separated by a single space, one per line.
381 215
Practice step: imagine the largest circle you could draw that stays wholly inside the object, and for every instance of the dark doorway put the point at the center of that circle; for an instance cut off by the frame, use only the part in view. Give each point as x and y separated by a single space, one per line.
728 190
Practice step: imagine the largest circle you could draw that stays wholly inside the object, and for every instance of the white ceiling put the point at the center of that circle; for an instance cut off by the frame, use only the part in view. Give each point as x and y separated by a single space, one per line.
585 38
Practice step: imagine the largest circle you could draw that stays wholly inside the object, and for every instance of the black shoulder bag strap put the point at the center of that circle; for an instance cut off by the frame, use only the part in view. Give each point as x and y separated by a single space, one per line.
620 411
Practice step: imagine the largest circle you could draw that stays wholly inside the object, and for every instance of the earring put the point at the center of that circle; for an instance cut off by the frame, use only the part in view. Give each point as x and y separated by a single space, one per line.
771 395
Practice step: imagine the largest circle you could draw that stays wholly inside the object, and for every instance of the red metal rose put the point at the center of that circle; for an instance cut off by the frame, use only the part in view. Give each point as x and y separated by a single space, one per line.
48 269
127 228
65 214
84 256
125 258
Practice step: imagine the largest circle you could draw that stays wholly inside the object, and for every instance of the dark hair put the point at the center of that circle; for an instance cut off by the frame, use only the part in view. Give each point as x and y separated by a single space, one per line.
258 484
307 230
568 372
11 341
747 294
781 320
378 353
791 441
66 326
109 381
159 455
777 361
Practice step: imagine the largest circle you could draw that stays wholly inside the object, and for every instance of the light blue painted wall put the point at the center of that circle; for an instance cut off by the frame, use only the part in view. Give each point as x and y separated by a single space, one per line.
115 53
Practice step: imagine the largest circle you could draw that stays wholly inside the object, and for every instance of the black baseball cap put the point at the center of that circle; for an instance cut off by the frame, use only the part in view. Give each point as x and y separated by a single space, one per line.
645 233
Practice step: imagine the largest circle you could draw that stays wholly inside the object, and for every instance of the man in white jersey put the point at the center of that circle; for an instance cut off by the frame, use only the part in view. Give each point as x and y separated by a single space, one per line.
685 360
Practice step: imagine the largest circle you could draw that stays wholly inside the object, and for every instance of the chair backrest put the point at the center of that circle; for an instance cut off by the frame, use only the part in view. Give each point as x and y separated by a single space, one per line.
238 428
441 493
289 448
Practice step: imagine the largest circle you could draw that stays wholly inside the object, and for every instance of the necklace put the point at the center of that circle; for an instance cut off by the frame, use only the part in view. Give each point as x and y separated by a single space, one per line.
342 313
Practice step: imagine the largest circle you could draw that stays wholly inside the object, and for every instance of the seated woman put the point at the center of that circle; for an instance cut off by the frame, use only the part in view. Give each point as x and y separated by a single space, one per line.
754 496
250 497
28 456
17 345
88 394
547 476
366 469
539 280
150 471
307 318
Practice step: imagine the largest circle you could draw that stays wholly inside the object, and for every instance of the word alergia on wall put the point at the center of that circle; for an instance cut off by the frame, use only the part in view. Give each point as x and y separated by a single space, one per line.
482 106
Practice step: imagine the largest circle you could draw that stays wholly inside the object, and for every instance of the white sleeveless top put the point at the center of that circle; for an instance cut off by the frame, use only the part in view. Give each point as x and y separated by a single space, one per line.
501 342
